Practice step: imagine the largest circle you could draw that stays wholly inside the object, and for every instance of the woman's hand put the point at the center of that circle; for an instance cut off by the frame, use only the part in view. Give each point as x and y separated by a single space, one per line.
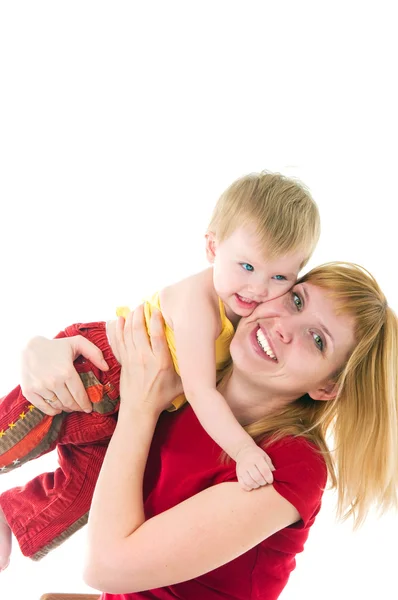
148 381
48 373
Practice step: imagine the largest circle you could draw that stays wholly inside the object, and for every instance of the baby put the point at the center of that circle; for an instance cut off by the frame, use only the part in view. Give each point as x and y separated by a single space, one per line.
263 231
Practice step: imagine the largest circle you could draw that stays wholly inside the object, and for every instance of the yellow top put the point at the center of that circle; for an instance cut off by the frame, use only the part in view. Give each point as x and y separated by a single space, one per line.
222 342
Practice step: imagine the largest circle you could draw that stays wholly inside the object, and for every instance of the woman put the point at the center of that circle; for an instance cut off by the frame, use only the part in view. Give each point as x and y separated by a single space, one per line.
335 343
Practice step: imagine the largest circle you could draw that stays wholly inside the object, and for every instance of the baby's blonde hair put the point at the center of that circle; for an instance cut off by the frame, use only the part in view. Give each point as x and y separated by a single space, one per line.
281 210
363 418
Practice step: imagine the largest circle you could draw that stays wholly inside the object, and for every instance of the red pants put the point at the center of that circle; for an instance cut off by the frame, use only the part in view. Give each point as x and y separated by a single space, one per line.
48 509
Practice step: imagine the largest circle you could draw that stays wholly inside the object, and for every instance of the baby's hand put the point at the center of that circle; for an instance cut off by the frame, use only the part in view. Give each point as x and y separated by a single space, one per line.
253 468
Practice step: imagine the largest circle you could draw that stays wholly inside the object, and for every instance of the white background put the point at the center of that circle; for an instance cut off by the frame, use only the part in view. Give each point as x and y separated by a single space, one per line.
121 124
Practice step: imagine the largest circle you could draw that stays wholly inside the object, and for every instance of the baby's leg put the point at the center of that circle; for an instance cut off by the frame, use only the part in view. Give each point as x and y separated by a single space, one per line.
5 542
52 506
26 432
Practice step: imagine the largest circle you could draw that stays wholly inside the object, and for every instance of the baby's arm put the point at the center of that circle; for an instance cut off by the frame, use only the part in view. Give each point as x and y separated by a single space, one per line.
196 323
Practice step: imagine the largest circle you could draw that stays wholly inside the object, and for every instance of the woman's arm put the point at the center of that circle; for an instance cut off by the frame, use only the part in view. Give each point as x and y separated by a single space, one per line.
192 538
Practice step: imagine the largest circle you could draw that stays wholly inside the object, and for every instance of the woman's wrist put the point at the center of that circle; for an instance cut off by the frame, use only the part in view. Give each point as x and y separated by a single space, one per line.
120 483
139 425
144 410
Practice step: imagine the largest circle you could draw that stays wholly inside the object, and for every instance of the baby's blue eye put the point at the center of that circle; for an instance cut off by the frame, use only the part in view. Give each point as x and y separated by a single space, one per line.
247 266
279 277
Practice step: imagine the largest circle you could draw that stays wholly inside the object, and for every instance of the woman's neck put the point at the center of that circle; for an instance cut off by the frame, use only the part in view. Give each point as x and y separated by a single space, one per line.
249 402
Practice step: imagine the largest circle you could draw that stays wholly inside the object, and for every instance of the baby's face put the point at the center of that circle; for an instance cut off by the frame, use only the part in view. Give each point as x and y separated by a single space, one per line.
243 277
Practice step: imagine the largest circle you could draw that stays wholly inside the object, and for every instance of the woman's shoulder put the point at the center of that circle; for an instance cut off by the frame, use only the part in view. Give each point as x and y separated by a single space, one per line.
298 452
300 474
295 448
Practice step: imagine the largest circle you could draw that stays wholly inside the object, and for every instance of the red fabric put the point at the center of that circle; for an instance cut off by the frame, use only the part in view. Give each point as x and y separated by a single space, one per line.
53 503
183 461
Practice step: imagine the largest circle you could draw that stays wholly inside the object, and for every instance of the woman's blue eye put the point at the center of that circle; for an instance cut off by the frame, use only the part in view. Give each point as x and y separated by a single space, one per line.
297 301
318 341
279 277
247 266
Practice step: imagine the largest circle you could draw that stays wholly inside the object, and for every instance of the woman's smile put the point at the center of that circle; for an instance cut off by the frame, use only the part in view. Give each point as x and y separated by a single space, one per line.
285 336
265 345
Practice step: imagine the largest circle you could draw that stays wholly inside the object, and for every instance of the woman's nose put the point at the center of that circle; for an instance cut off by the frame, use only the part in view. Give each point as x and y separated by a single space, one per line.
283 330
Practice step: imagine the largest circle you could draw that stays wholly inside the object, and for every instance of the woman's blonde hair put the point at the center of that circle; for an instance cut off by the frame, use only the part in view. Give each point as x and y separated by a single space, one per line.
281 210
363 418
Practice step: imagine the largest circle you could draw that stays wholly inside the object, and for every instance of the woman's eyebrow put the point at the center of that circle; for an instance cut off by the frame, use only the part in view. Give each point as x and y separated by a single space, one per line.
326 330
305 294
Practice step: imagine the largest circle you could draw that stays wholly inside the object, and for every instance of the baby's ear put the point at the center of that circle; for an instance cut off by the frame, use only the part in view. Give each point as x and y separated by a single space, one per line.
325 392
210 246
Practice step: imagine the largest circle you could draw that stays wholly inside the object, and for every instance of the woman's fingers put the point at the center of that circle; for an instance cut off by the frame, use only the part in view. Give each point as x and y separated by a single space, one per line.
83 346
147 368
158 336
69 396
139 334
119 338
134 333
53 402
67 400
128 337
74 392
48 373
45 407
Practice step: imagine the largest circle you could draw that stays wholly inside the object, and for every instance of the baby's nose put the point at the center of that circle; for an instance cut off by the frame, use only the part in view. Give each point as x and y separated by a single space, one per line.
260 292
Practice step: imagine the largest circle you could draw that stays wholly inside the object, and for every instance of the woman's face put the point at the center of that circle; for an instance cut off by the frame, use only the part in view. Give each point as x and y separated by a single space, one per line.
293 344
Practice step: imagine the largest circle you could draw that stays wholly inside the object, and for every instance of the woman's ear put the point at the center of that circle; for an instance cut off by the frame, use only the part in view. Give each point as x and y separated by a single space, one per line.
210 246
326 392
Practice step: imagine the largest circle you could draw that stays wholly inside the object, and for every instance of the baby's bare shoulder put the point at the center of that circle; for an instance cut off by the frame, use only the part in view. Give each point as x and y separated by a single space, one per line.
193 293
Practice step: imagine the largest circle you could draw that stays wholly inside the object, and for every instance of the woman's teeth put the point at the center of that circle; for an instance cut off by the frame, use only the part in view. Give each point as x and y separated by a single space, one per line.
262 341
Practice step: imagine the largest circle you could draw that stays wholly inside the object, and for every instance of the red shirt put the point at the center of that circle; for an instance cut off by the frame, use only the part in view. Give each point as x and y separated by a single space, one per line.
183 461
